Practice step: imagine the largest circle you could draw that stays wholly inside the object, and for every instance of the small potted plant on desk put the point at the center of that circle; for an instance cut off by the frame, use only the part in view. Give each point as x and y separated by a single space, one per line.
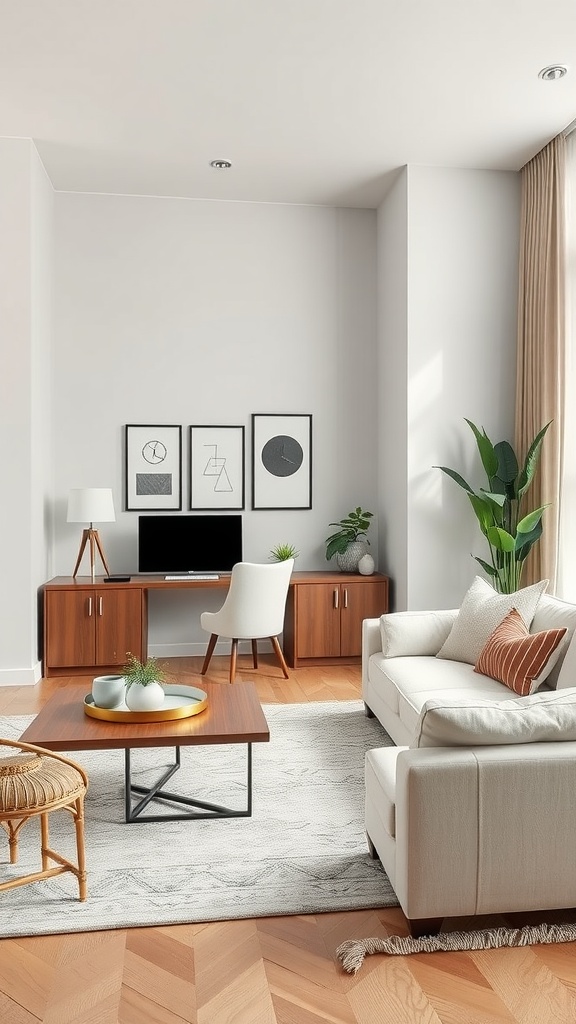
282 552
143 684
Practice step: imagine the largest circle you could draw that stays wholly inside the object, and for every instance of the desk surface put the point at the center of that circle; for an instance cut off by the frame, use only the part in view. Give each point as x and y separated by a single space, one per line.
144 581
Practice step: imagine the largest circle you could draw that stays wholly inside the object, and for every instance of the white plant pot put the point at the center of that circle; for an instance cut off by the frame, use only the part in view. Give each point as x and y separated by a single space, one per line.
144 698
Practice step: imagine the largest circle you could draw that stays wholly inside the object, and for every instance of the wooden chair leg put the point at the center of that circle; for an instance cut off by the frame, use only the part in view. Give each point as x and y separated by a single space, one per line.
45 840
280 656
80 848
233 656
209 653
255 653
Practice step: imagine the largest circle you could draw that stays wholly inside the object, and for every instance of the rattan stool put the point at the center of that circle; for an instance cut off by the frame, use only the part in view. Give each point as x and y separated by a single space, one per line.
34 783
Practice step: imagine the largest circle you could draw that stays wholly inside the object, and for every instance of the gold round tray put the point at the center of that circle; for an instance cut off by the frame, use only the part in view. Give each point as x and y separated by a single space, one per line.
179 702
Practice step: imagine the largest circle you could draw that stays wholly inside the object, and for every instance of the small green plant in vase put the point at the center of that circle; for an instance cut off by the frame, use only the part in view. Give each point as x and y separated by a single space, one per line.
345 543
143 683
282 552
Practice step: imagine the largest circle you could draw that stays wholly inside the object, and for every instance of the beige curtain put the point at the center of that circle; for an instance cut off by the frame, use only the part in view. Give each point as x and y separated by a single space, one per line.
541 344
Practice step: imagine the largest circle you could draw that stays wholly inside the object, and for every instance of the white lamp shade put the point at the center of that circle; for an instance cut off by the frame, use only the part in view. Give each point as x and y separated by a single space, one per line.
91 505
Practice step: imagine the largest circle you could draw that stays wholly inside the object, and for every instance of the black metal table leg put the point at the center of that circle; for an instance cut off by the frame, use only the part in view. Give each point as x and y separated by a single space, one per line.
156 792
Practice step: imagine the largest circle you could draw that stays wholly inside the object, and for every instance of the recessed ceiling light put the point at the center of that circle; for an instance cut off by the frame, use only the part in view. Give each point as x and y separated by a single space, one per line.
552 72
221 165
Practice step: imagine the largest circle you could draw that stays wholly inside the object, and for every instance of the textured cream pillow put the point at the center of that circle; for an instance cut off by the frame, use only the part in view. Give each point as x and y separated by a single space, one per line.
481 611
541 717
410 634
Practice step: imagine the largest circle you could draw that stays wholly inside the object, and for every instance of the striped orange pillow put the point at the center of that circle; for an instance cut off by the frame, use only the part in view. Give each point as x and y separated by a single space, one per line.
517 658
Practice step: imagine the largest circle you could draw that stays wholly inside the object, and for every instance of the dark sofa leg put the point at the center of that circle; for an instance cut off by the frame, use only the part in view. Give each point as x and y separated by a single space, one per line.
424 926
371 848
368 711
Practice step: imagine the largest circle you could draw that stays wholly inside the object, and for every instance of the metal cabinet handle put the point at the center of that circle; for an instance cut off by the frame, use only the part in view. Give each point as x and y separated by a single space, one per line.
100 601
89 607
346 597
336 597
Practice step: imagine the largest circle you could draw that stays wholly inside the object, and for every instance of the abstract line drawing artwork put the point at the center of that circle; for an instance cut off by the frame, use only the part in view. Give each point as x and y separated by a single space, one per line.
153 467
216 467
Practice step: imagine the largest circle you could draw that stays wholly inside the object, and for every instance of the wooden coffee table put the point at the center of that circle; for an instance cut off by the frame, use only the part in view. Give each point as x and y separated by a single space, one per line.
233 715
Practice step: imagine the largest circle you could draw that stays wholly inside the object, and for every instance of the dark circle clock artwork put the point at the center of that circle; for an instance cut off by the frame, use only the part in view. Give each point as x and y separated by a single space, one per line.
282 455
154 452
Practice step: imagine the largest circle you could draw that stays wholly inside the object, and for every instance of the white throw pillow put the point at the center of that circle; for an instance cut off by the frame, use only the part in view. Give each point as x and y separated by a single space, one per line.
481 611
412 634
541 717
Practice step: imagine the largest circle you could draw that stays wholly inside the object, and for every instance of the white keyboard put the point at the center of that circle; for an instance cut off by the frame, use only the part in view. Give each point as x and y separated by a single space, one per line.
194 576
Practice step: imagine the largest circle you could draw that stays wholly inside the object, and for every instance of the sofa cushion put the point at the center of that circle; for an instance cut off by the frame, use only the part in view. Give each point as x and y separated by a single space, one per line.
409 634
411 702
517 658
481 611
540 717
553 613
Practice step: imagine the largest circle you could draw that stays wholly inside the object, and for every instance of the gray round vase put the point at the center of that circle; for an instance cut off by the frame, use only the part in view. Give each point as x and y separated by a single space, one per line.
348 560
108 691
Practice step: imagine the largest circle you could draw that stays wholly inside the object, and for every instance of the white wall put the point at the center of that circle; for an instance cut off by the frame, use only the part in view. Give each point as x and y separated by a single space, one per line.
177 311
25 336
392 375
462 230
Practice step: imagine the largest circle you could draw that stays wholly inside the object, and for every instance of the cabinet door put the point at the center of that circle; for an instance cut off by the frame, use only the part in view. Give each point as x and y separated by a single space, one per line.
318 618
362 600
118 625
70 628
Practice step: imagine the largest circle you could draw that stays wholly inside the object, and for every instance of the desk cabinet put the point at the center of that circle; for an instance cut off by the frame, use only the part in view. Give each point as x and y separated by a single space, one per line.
324 614
91 628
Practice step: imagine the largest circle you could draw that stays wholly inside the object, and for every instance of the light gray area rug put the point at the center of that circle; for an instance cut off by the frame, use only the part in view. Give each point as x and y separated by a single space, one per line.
303 851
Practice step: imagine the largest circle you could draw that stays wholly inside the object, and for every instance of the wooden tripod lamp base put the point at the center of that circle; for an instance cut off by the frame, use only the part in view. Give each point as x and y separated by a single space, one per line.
90 505
91 538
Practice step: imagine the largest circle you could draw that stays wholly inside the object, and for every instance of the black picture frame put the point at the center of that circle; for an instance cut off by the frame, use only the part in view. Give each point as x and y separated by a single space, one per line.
217 468
152 467
281 461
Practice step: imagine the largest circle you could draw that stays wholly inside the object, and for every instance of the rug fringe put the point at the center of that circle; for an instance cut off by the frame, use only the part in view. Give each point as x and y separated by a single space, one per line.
353 951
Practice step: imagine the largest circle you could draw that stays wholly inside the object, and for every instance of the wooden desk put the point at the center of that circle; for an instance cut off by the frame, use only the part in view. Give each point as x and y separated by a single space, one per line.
88 626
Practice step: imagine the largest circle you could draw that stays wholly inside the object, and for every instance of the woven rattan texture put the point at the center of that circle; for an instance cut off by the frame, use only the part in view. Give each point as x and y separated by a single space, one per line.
49 783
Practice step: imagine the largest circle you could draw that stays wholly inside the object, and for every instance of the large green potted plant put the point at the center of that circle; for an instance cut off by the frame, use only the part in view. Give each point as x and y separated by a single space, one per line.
346 543
509 530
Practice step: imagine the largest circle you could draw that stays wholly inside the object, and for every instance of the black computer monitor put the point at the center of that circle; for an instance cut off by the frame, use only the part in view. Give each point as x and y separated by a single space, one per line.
195 543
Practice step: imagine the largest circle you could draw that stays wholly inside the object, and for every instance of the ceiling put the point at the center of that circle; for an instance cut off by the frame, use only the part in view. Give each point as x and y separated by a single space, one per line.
313 101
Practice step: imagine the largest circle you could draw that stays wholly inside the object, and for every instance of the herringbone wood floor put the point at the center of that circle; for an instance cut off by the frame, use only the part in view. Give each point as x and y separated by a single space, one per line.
279 970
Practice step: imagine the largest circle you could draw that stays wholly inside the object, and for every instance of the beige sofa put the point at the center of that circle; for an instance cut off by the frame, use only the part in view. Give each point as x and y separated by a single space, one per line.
474 811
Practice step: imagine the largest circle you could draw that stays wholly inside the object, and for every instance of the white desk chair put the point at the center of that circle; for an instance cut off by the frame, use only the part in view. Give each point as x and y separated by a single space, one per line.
253 609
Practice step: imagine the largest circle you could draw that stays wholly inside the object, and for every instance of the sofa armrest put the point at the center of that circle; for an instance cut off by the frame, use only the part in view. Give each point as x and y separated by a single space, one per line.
482 830
371 644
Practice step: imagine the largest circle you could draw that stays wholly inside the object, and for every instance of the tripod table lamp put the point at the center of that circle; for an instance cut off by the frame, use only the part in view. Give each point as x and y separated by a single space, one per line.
91 505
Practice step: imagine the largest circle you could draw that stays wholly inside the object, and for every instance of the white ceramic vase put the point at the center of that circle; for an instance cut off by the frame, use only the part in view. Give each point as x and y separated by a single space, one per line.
108 691
144 698
366 565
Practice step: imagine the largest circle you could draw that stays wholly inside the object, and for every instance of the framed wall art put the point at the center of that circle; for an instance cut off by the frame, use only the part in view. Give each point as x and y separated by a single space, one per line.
281 461
216 467
153 467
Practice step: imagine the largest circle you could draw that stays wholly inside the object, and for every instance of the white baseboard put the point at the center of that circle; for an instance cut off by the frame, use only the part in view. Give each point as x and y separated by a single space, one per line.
21 676
198 650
